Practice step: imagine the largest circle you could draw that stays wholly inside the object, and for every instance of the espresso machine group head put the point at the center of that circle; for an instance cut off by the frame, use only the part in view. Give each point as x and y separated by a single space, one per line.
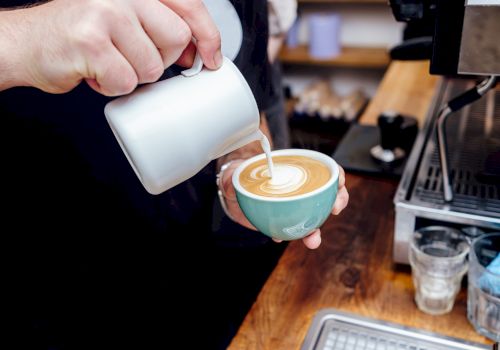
452 177
461 34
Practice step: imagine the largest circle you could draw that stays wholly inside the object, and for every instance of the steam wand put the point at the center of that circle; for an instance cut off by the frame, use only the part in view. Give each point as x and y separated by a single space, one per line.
454 105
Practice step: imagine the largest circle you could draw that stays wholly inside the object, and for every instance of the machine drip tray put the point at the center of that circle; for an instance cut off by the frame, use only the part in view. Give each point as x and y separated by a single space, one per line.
335 330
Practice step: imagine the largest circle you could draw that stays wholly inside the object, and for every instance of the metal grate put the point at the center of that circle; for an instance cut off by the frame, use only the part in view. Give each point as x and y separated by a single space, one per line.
343 339
473 135
334 330
469 193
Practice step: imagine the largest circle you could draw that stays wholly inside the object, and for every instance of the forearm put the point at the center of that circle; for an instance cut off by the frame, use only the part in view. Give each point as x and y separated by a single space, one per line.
249 150
274 46
12 72
282 15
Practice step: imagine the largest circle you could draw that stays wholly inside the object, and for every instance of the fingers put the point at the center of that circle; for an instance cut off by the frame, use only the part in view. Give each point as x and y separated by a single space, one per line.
134 44
227 183
341 201
110 73
142 43
203 28
169 32
342 196
237 214
313 240
187 57
341 177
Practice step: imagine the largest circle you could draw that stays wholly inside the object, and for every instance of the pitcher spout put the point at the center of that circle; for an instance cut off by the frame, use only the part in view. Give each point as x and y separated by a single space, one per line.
255 136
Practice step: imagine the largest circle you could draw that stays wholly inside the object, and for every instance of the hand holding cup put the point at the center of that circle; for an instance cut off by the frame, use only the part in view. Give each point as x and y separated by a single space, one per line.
289 217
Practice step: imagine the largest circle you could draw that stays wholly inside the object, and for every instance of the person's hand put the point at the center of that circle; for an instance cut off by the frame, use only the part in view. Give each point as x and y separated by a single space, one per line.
112 44
313 240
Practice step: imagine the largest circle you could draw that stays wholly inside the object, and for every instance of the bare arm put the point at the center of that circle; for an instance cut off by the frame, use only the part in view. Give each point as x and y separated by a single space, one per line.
11 73
112 44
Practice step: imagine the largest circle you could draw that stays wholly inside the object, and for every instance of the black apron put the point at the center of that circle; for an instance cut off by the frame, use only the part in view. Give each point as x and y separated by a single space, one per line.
93 260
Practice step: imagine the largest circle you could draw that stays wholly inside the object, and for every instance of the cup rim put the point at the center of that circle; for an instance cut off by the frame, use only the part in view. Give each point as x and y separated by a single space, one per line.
457 257
328 161
473 256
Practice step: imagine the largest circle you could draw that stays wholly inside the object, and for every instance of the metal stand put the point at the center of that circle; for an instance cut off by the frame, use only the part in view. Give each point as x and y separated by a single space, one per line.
452 106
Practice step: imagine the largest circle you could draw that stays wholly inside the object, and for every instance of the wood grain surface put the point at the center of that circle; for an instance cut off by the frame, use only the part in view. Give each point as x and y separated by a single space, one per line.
406 88
352 271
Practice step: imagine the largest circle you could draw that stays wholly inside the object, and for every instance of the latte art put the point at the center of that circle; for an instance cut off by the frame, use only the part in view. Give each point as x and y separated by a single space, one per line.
292 175
286 178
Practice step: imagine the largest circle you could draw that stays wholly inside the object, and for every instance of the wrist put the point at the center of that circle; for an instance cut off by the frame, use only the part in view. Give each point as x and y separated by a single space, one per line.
225 161
230 164
221 190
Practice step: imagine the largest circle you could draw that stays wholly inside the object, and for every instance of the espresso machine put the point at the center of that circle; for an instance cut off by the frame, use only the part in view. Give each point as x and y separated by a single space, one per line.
452 176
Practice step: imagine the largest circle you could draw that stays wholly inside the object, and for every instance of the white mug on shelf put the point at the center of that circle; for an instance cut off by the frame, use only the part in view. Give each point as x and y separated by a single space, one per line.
171 129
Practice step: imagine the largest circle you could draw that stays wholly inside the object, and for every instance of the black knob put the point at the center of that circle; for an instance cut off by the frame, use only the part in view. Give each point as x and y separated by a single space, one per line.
390 128
409 131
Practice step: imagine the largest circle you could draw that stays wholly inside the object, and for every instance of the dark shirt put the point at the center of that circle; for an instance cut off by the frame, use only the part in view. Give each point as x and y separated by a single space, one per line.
92 259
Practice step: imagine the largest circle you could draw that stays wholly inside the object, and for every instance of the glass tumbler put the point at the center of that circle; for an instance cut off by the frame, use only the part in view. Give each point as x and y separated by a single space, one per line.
438 258
483 297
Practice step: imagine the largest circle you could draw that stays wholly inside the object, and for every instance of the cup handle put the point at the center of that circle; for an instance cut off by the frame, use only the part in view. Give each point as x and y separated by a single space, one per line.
197 66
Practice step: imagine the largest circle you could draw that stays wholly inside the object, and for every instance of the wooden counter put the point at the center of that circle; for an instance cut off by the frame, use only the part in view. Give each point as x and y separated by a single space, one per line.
406 88
352 270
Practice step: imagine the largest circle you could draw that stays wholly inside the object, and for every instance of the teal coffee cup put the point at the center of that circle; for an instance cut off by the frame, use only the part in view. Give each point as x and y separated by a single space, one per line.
294 217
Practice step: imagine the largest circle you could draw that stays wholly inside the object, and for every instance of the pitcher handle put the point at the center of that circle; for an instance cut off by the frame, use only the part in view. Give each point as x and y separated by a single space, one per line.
197 64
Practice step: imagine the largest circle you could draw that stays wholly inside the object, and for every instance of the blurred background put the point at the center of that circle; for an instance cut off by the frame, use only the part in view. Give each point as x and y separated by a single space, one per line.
333 59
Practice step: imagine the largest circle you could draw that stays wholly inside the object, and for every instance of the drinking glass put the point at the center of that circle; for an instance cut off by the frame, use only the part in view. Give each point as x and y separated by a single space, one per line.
438 261
483 299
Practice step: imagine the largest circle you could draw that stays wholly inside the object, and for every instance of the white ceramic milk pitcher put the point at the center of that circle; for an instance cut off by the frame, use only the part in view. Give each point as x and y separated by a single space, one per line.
171 129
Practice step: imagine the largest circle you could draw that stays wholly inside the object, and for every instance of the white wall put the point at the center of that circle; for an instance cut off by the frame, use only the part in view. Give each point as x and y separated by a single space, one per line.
362 25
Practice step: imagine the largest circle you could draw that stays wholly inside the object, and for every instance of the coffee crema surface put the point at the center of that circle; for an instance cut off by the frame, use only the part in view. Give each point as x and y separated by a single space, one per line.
293 175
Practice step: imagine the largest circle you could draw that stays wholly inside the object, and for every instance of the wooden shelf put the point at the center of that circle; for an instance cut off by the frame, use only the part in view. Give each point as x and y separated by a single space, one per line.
384 2
359 57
